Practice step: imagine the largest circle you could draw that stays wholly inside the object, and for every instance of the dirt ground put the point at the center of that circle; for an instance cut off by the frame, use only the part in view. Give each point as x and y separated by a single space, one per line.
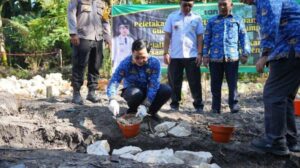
55 133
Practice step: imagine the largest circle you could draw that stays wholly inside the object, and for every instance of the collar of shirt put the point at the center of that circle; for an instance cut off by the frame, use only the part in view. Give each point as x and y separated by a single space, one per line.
189 14
222 16
122 37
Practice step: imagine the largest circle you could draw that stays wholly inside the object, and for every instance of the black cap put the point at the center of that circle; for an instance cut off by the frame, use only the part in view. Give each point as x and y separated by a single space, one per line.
124 23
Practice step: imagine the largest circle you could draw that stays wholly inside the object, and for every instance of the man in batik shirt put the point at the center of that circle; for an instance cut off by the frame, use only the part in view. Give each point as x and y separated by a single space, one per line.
141 83
225 34
279 22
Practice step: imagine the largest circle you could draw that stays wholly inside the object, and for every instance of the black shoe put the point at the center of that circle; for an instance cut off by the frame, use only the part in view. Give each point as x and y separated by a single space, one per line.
199 111
77 99
294 148
235 109
93 97
216 111
275 148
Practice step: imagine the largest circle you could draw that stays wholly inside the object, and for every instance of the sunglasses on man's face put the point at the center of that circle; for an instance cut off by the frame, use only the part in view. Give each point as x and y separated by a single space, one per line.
139 58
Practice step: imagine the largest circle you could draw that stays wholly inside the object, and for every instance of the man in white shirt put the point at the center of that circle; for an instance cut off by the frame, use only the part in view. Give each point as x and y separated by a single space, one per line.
121 46
184 39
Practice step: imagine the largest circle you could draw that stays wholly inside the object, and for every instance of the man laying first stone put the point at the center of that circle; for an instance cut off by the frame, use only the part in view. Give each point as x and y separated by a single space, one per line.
141 83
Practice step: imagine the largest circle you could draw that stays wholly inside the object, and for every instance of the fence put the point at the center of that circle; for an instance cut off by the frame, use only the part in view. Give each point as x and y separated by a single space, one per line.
57 53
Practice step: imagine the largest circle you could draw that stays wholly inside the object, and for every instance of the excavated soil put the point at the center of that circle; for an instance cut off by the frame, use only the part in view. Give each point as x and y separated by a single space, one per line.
55 133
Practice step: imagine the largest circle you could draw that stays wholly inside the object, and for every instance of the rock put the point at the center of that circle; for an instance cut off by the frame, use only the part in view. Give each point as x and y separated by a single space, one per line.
151 135
164 127
36 87
10 84
99 148
127 149
183 129
9 105
161 134
54 77
214 165
48 134
194 158
24 83
259 85
89 140
127 156
164 156
18 166
55 81
206 165
98 135
37 79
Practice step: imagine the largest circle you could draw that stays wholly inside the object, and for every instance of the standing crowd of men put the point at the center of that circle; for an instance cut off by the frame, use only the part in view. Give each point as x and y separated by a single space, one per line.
221 47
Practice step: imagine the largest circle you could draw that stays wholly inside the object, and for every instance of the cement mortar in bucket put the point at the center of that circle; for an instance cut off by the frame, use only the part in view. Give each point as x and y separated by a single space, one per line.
129 125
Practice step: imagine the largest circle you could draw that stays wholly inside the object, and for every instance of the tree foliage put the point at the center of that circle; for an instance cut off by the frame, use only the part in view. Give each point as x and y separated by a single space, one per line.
39 31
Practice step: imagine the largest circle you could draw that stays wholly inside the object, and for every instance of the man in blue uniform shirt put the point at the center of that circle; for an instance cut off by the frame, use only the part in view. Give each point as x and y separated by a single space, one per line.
279 22
141 81
225 34
184 38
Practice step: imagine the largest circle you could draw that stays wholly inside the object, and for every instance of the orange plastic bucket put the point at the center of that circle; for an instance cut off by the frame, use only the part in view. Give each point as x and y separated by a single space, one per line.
129 130
297 107
221 133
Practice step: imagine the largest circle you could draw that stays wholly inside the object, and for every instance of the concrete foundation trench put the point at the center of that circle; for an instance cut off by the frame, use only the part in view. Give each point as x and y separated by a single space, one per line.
56 133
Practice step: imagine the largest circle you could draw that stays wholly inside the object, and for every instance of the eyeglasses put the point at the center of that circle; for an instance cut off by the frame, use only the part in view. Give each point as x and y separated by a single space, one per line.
139 58
185 4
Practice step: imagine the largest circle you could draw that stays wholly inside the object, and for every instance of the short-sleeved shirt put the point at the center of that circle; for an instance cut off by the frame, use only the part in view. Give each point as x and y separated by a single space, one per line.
184 31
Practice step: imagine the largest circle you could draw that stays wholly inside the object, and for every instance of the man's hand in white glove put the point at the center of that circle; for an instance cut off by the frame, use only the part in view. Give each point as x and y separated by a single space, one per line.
114 107
142 111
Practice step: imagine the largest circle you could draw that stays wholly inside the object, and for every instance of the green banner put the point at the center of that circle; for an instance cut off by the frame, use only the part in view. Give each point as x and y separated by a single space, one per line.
147 22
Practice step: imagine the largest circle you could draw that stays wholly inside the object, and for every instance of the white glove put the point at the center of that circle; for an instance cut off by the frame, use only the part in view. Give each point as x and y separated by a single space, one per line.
142 111
114 107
